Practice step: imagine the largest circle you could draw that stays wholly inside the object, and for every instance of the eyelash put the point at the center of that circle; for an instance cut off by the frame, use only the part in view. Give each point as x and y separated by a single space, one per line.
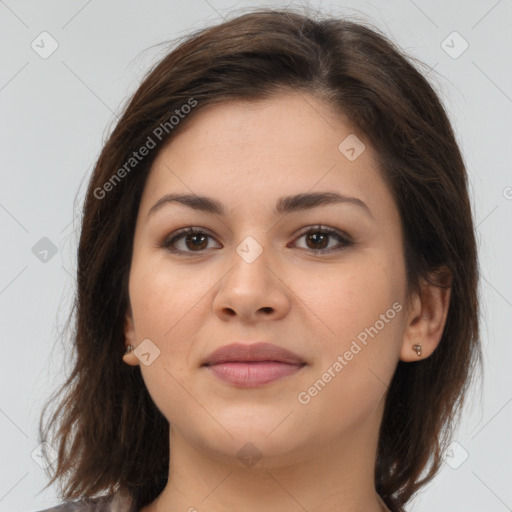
181 233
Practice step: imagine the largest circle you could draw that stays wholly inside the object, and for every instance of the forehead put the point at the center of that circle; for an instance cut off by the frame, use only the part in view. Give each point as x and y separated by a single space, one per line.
258 150
286 126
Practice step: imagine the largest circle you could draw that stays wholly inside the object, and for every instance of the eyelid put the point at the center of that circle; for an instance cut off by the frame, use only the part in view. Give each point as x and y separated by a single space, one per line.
326 229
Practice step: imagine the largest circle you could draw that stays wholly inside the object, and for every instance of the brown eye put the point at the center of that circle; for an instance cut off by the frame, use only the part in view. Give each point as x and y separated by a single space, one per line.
317 240
194 240
197 241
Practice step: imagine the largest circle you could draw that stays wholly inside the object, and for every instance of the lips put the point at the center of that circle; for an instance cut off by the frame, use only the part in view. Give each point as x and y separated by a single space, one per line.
256 352
253 366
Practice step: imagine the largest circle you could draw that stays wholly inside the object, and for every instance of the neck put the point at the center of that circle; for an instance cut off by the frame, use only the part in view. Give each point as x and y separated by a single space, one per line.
329 474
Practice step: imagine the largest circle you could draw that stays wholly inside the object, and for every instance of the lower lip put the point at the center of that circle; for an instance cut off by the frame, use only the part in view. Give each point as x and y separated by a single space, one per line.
254 374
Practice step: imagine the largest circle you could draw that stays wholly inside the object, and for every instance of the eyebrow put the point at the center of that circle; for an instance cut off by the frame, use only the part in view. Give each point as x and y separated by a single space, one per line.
286 204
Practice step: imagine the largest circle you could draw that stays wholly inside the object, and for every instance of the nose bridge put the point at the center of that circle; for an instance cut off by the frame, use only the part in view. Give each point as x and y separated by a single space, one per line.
250 261
251 248
251 284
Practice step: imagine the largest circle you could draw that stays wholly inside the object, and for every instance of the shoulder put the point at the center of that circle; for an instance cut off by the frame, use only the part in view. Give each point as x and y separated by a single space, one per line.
65 507
80 505
112 503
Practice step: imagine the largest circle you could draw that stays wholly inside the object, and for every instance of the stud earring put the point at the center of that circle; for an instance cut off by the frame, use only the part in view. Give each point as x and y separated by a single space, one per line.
129 348
417 348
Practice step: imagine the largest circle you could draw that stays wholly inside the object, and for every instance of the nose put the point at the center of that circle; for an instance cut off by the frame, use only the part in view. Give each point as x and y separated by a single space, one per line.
252 291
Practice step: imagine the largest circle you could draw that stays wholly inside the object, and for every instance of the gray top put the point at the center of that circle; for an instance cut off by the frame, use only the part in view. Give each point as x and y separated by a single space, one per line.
113 503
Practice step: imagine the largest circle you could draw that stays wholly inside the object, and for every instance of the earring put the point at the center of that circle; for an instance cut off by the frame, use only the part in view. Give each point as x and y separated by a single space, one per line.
129 348
417 348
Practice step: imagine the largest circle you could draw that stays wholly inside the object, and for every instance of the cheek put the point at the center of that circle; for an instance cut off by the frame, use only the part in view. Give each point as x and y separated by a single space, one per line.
164 306
161 298
348 300
357 357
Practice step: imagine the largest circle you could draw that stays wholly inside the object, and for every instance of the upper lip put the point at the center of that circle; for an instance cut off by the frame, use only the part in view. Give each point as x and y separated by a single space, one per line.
254 352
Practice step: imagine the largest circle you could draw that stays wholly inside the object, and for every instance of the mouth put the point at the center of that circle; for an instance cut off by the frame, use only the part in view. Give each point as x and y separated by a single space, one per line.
250 374
253 365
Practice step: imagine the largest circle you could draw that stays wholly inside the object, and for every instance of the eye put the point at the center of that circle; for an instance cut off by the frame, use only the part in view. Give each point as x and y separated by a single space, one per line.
318 238
193 239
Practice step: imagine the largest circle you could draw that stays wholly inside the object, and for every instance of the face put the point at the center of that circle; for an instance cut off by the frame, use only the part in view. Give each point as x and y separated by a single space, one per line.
325 281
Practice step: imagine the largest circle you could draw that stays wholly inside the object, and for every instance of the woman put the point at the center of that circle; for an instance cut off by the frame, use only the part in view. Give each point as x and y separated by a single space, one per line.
277 281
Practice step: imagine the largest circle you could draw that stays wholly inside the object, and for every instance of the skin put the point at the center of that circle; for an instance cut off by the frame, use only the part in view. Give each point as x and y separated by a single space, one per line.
315 456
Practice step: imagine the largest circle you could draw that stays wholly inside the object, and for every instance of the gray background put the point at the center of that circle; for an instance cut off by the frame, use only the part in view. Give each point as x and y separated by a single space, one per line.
56 112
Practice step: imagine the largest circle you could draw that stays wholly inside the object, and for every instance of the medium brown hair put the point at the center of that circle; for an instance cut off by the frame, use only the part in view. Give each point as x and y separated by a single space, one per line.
110 434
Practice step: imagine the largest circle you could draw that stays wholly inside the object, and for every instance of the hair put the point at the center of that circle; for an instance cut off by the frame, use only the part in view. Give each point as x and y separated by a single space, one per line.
110 435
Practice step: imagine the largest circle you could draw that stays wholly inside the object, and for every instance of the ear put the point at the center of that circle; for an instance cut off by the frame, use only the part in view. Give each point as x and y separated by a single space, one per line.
427 317
130 338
